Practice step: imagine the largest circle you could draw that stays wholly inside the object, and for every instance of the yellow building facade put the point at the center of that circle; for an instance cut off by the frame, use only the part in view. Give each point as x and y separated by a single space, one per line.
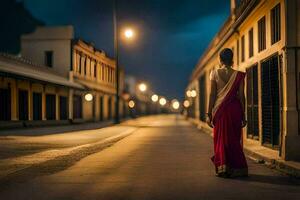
264 36
58 79
94 70
33 95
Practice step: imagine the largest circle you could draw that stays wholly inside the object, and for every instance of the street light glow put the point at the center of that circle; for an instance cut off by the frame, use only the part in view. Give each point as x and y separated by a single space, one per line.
175 104
186 103
143 87
162 101
129 33
154 98
188 93
131 104
88 97
193 93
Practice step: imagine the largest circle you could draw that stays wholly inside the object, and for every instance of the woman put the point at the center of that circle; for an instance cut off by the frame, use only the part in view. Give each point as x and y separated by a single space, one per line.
226 114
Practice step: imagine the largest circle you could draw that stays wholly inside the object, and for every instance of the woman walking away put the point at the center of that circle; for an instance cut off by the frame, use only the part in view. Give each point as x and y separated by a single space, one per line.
226 114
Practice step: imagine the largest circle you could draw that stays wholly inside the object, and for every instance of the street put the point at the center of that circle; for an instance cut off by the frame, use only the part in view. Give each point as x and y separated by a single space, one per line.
155 157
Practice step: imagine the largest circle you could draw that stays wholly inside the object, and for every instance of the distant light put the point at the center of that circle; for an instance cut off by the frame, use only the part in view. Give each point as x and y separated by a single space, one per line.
131 104
154 98
143 87
188 93
88 97
193 93
129 33
175 104
186 103
162 101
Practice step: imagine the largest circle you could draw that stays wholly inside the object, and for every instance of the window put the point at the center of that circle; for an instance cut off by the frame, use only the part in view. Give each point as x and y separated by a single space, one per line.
270 87
49 58
37 106
5 104
50 107
275 24
95 69
243 48
262 34
252 103
250 35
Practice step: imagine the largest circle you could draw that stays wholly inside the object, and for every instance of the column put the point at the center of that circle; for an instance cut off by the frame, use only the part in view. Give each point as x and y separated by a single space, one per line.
14 100
30 102
57 106
70 98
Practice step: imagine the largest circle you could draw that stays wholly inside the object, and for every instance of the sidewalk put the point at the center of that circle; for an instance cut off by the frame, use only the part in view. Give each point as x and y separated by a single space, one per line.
261 154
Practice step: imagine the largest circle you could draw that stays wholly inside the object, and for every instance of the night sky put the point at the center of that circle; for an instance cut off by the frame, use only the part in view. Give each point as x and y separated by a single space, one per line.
172 34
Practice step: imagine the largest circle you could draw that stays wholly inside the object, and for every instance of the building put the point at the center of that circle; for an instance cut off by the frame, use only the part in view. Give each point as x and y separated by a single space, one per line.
265 38
57 79
81 63
32 94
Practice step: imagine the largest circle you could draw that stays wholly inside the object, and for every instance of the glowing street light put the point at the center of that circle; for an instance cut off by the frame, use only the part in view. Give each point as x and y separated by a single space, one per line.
88 97
188 93
175 104
143 87
186 103
131 104
154 98
193 93
162 101
129 33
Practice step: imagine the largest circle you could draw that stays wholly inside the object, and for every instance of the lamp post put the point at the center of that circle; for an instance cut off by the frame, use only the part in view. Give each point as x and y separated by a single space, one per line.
116 52
129 34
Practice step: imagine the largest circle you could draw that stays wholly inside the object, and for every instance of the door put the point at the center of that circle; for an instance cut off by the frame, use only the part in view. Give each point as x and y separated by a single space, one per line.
37 106
77 107
5 105
101 108
50 107
63 108
270 101
109 108
23 105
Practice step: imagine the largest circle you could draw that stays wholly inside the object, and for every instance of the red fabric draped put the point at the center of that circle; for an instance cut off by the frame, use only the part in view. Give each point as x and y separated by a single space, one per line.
229 156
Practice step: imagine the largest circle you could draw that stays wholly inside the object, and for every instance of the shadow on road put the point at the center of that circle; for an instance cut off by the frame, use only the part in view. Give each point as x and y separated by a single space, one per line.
275 180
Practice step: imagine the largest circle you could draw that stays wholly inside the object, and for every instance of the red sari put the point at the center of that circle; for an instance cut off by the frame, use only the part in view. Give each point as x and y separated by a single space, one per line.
227 118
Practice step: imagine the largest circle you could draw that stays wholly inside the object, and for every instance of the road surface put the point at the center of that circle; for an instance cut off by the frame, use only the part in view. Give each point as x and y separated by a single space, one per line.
164 157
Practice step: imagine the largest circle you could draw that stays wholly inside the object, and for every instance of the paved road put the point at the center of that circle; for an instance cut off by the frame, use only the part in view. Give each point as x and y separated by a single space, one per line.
165 158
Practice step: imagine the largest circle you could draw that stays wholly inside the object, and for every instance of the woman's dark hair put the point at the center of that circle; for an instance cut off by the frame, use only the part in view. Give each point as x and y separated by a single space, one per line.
226 56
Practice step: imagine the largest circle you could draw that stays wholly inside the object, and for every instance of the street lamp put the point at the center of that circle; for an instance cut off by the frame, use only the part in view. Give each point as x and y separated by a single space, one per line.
188 93
175 104
193 93
131 104
88 97
128 34
162 101
142 87
186 103
154 98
